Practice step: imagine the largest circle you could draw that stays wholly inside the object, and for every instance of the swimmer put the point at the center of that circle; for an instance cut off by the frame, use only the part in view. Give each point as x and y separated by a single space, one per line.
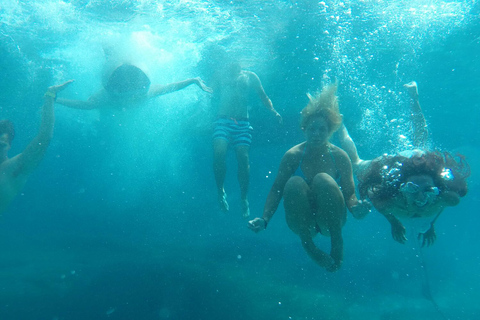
412 184
15 171
232 127
316 181
128 86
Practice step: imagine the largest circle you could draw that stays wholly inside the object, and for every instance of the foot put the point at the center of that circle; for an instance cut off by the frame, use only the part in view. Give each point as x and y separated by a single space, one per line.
245 208
412 89
222 201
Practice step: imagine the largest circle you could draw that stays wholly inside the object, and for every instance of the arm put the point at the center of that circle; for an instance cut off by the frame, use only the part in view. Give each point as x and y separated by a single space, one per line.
257 85
420 130
94 102
276 193
358 208
448 199
159 90
29 159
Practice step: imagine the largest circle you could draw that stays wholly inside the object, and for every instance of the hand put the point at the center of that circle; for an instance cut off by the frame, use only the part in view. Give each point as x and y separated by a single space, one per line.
60 87
398 230
361 209
201 84
278 116
429 237
257 224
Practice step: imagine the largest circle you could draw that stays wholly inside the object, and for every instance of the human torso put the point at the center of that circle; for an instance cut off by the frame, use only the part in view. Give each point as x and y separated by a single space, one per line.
11 182
232 96
308 164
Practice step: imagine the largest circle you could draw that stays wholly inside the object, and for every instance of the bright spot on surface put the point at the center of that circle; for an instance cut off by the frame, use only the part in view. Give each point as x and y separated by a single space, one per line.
110 311
239 257
402 136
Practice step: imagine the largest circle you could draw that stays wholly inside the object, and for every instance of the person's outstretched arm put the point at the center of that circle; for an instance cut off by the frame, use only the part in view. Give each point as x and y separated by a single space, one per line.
420 130
257 85
94 102
159 90
358 208
29 159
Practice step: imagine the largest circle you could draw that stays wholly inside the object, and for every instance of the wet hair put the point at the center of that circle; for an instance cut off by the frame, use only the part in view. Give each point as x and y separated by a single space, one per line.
128 80
323 104
6 126
385 175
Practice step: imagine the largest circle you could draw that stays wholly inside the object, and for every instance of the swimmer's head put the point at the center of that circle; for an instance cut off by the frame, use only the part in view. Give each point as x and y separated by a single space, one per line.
7 132
323 105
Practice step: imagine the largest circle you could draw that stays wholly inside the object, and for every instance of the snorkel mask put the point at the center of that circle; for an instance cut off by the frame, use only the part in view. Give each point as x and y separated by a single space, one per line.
411 188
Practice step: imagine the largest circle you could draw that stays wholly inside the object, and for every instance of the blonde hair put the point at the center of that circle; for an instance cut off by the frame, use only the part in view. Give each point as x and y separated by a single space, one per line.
325 105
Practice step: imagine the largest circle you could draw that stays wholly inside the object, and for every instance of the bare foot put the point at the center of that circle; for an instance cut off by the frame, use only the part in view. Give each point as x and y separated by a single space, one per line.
245 209
222 202
412 89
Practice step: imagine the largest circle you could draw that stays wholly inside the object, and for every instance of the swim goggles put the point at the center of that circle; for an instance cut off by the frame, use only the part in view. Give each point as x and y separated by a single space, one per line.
411 187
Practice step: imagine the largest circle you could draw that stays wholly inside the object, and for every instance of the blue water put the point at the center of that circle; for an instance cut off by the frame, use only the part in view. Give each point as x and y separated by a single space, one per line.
120 220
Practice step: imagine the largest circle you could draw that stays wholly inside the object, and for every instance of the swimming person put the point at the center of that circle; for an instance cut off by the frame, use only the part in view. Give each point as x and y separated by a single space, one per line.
232 127
414 184
14 171
316 181
128 86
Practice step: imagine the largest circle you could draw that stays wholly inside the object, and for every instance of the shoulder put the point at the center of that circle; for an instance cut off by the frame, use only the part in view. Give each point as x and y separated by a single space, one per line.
339 154
294 154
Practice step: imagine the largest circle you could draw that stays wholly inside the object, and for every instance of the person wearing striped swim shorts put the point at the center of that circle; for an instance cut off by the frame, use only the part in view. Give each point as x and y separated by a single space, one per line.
231 91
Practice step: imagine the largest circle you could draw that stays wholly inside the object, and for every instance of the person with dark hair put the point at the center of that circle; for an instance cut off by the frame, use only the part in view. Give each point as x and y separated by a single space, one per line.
316 181
232 88
14 171
414 184
128 86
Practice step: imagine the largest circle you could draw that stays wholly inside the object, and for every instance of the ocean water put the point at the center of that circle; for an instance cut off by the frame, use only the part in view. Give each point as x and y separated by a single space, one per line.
120 220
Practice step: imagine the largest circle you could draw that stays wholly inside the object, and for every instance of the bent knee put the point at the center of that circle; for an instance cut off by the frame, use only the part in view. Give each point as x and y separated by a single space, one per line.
294 184
323 180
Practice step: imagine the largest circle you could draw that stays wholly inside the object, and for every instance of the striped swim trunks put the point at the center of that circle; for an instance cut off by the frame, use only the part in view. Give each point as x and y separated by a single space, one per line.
236 131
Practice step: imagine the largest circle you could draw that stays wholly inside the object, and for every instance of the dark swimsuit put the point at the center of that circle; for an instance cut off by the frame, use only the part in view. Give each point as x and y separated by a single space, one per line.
299 171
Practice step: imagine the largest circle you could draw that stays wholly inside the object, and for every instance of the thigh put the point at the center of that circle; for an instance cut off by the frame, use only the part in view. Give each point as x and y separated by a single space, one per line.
298 209
330 209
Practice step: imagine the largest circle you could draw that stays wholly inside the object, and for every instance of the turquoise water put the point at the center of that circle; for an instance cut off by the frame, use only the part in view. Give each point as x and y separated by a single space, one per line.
120 221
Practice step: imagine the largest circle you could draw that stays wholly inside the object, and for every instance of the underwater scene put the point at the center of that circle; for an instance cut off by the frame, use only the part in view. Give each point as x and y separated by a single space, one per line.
120 213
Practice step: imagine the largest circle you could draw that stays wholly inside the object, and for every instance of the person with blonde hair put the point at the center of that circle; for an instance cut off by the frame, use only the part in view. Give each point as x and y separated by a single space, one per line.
316 181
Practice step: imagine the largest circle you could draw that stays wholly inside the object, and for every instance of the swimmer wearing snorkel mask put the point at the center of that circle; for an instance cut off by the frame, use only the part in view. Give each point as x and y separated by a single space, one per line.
412 184
418 185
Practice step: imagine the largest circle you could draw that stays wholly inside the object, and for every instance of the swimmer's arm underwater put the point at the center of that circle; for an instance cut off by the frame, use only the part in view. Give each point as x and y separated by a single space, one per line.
29 159
358 208
275 195
398 230
257 85
159 90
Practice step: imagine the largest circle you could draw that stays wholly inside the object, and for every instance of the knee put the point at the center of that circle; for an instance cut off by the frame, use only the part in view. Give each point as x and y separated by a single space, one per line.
324 182
294 186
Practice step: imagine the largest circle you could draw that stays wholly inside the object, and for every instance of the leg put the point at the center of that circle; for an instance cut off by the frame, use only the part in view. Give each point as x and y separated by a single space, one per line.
347 144
420 130
301 220
220 147
331 213
243 176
